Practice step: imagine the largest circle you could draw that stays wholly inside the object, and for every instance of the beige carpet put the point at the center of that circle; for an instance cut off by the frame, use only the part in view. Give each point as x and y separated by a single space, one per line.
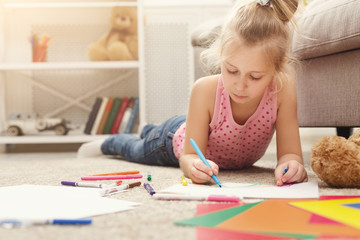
153 219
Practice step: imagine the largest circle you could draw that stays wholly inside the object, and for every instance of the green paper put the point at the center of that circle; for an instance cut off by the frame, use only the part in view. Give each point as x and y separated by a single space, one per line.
214 219
292 235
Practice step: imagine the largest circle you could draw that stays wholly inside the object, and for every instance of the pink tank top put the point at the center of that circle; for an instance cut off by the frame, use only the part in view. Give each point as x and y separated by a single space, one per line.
234 146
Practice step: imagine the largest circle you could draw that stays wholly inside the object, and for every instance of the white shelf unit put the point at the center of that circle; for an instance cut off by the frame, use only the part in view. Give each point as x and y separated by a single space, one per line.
169 63
67 85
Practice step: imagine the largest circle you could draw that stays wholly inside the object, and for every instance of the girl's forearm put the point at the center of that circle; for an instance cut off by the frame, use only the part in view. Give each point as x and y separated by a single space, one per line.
290 156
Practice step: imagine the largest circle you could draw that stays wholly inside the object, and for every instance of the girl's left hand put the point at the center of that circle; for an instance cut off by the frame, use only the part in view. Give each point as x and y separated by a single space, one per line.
296 173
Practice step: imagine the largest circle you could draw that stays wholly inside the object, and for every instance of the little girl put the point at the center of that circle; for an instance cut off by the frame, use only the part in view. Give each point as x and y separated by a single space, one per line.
231 116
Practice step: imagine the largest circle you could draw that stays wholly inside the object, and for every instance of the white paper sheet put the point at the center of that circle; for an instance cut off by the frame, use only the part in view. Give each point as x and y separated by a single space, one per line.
249 190
56 202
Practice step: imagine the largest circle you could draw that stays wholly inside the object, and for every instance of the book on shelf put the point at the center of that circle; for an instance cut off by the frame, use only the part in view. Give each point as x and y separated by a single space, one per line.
112 115
92 115
126 116
99 115
105 115
133 115
119 115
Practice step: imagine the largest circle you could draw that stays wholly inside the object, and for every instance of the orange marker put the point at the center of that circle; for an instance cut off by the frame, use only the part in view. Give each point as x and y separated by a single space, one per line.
117 173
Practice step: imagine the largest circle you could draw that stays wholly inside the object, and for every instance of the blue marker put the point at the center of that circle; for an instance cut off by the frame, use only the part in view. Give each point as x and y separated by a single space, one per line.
285 170
202 157
19 222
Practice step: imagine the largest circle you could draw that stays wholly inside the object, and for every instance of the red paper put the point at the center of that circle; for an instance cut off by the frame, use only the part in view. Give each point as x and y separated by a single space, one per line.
206 233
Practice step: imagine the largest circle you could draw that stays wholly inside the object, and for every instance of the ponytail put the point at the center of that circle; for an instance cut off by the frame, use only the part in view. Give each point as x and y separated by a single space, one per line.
284 9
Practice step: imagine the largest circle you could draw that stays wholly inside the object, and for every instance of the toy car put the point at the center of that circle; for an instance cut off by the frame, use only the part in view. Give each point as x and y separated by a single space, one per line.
21 123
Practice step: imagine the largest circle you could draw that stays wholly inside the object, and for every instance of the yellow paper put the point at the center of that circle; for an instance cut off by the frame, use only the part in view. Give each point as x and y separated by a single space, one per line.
334 209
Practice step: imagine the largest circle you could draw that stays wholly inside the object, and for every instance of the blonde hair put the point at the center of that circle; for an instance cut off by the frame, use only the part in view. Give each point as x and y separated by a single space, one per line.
254 24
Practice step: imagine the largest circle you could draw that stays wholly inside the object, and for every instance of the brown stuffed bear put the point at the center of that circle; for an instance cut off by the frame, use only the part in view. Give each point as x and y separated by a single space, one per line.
336 160
121 42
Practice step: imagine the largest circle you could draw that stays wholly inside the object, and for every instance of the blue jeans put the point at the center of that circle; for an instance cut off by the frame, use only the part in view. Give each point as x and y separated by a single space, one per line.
154 147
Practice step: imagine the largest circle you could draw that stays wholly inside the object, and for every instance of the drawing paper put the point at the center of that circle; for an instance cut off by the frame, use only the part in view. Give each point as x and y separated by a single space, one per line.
49 202
249 190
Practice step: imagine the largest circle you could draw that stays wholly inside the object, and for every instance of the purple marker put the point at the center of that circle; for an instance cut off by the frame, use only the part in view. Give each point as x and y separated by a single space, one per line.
83 184
149 188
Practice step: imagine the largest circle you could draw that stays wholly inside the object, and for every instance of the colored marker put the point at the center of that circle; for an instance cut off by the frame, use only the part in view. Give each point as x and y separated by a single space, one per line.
285 170
111 177
27 222
202 157
149 188
148 176
83 184
183 181
113 190
117 173
216 198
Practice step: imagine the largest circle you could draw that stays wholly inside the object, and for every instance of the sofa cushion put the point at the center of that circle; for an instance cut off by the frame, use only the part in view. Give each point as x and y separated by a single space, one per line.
327 27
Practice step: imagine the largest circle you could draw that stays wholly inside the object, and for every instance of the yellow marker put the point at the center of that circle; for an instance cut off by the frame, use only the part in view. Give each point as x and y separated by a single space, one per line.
183 181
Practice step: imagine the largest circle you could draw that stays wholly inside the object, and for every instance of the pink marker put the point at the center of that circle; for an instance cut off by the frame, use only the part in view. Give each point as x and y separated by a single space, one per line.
111 177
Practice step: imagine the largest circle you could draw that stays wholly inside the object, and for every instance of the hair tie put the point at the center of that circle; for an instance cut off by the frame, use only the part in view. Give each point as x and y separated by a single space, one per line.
263 2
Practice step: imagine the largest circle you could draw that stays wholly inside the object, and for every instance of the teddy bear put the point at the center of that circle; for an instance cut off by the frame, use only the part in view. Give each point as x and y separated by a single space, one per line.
336 160
121 42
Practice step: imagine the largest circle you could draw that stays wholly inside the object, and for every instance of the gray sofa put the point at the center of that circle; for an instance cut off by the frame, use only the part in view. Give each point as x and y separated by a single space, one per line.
328 78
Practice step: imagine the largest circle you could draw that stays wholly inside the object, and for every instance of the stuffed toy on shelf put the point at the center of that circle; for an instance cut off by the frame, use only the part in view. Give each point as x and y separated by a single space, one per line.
121 42
336 160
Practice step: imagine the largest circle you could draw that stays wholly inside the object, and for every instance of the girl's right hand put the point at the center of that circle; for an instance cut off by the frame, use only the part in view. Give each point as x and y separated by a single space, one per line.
200 173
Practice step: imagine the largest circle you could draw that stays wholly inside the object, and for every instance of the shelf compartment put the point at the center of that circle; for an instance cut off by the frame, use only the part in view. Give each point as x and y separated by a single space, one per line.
69 4
49 139
69 65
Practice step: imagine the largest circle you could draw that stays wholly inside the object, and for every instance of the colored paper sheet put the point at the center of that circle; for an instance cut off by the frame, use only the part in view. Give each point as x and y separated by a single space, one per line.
320 219
220 234
334 209
213 219
354 205
207 208
205 233
333 197
277 216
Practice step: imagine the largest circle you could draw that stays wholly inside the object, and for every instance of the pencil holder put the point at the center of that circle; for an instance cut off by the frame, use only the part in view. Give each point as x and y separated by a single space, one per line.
39 47
39 53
